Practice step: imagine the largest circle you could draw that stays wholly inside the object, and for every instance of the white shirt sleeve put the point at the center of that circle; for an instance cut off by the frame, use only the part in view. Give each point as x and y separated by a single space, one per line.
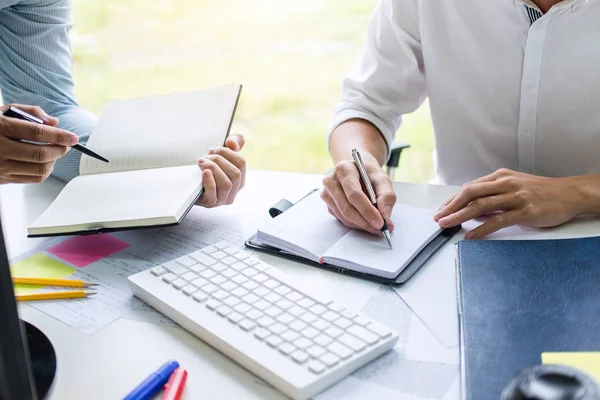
387 81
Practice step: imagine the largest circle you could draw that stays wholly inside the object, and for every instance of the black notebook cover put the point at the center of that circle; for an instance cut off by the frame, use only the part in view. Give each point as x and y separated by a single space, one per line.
518 299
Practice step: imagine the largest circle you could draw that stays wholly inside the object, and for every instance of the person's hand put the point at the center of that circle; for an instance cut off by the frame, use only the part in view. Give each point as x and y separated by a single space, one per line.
346 200
25 162
514 198
223 173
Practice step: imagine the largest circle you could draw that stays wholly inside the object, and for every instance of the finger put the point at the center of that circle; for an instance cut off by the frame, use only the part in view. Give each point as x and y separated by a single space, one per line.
35 111
497 222
349 178
466 195
235 158
25 130
33 153
386 197
333 210
232 172
479 207
346 209
23 168
25 179
235 142
209 196
223 183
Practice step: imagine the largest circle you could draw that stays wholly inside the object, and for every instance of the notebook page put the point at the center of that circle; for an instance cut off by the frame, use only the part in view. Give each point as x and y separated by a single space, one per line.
307 229
364 252
107 200
161 131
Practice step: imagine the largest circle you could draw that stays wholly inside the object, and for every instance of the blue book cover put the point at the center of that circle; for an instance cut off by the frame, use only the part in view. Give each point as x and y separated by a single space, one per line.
518 299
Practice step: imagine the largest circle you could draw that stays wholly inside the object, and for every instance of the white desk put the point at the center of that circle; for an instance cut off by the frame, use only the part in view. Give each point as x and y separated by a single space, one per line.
109 363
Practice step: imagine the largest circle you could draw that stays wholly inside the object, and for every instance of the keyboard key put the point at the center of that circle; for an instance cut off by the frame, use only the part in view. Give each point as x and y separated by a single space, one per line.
272 311
189 289
169 278
220 294
286 348
296 311
260 277
302 343
323 340
158 271
221 245
379 330
315 351
218 255
336 307
262 267
231 250
300 357
228 285
239 266
235 317
309 332
352 342
343 322
209 249
329 359
254 314
218 279
261 305
348 314
250 285
282 290
306 303
251 298
277 328
363 334
361 320
274 340
294 296
210 288
271 283
239 292
203 258
261 291
179 283
242 308
241 255
284 304
272 297
189 276
330 316
251 261
175 268
265 321
186 261
333 331
290 335
231 301
229 260
249 272
223 310
285 318
340 350
298 325
200 296
321 324
219 267
247 325
213 304
208 274
308 317
229 273
239 279
262 333
198 268
316 366
318 309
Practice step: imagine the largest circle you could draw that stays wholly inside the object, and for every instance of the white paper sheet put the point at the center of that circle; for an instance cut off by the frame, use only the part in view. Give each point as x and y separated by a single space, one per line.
423 346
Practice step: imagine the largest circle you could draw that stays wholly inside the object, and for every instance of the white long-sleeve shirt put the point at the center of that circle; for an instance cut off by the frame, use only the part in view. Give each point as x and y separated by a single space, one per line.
505 89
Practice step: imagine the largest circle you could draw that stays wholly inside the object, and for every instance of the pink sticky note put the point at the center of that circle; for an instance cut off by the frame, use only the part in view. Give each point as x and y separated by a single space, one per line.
84 250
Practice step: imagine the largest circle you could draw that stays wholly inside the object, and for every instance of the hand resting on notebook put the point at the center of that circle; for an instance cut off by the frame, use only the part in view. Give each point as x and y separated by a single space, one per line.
223 173
29 163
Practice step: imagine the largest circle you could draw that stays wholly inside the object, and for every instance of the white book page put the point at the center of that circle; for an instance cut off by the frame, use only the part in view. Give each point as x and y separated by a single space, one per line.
365 252
116 199
305 228
161 131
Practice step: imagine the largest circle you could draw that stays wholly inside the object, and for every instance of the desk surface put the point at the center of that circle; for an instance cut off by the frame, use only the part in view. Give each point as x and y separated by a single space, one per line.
109 363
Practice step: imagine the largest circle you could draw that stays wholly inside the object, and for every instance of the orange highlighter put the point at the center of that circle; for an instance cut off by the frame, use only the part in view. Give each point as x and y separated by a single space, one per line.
174 387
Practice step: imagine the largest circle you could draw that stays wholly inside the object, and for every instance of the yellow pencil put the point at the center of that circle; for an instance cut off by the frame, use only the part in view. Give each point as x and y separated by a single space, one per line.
74 294
51 282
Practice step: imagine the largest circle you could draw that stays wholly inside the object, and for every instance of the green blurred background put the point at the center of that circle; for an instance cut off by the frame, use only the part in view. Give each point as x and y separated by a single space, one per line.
291 57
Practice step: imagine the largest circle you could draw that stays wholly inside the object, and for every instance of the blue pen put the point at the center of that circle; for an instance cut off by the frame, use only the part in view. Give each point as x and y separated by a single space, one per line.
153 383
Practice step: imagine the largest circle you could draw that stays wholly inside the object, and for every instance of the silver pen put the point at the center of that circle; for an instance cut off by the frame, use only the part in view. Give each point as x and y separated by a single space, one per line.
365 178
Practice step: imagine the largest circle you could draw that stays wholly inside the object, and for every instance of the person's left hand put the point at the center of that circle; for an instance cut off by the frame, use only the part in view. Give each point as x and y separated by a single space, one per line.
514 198
223 173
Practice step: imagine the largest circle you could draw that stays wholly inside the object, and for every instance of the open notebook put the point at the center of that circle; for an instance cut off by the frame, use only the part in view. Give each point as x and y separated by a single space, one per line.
307 230
153 178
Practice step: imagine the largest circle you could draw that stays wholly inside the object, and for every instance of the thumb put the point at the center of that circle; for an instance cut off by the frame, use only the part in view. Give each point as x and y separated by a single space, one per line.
37 112
235 142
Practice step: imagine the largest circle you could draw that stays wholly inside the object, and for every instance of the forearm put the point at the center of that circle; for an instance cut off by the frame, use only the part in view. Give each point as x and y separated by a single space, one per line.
587 193
357 134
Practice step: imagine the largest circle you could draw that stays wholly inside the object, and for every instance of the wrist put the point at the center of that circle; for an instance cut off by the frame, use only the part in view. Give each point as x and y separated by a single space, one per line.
587 193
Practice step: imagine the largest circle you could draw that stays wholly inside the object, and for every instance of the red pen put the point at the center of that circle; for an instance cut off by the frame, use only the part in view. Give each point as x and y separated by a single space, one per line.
174 387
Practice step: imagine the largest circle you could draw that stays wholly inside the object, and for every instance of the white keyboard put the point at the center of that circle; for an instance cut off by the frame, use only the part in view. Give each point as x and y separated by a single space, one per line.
299 342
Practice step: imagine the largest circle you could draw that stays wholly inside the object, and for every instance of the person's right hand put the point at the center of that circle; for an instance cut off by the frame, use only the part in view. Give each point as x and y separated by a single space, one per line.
347 201
25 162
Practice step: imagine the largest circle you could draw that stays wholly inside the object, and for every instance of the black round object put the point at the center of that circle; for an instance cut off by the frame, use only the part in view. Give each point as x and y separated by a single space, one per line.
551 382
43 359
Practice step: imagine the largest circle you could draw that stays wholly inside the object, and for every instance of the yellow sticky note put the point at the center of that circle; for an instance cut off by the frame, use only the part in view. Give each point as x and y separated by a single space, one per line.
588 362
38 266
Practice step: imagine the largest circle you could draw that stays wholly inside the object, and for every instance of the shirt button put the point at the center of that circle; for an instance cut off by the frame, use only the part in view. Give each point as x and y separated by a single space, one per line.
531 84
